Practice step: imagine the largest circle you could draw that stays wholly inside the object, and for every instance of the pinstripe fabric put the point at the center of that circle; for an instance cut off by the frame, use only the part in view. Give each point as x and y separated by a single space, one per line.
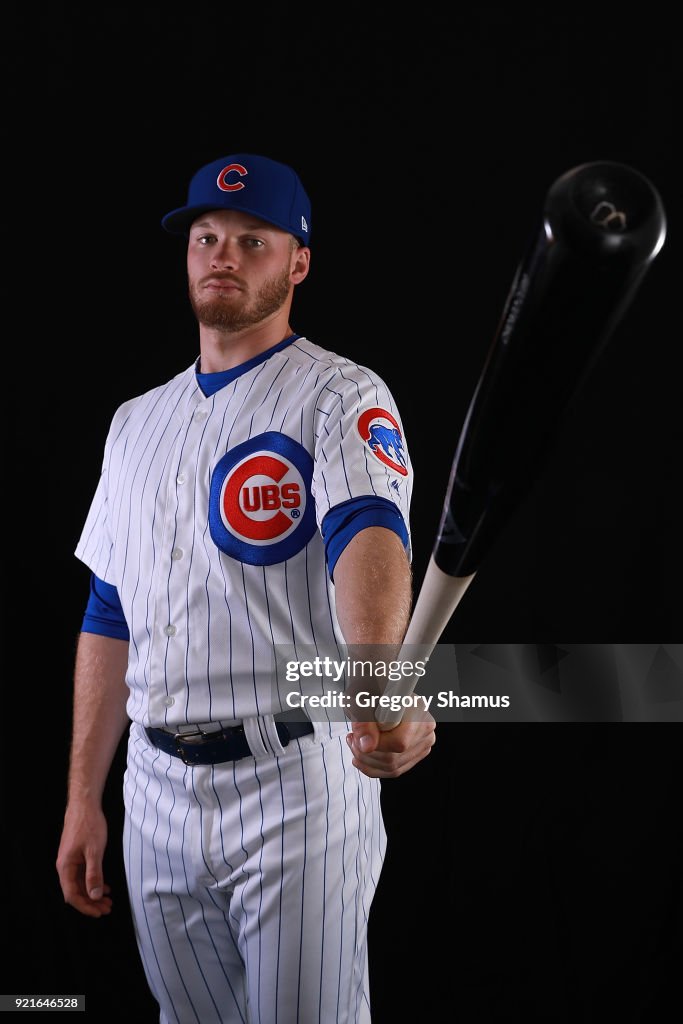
261 870
147 531
250 882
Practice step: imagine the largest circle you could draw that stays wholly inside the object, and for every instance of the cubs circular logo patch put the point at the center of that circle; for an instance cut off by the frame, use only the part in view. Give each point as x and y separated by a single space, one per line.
261 510
382 434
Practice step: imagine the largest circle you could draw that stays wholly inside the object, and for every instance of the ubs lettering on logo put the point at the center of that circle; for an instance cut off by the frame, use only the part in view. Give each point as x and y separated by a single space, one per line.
261 510
382 434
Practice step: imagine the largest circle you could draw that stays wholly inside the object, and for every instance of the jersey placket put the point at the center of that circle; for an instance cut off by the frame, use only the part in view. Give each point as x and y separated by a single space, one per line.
167 688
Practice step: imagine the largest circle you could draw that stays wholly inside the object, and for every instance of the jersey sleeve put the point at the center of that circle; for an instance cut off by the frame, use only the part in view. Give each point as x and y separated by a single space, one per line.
344 521
95 546
360 445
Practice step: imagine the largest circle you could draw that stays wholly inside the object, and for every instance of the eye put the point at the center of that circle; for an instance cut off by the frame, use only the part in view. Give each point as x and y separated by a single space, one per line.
254 243
205 239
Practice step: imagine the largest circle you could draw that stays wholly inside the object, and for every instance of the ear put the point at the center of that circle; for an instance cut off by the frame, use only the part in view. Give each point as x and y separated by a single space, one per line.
301 260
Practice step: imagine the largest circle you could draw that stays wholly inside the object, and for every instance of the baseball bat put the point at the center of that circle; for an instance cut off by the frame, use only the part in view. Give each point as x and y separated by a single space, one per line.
600 227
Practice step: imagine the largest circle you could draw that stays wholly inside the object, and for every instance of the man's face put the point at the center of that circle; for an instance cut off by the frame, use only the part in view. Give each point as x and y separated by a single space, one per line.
241 270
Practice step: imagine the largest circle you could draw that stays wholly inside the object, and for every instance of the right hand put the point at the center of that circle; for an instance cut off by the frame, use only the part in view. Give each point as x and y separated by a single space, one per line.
79 860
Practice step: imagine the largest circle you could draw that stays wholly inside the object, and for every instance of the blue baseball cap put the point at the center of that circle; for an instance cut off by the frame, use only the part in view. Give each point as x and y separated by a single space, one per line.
254 184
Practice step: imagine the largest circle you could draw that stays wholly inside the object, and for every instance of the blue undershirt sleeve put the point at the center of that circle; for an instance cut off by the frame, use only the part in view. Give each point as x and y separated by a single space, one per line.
344 521
104 614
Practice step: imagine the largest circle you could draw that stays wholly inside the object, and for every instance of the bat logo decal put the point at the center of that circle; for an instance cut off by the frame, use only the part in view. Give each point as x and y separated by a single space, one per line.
606 216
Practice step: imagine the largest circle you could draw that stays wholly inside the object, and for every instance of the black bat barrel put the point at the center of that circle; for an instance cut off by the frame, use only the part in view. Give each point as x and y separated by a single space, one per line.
600 227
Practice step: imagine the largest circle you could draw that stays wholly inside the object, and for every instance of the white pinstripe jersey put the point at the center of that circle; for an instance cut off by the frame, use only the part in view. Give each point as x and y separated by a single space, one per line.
207 520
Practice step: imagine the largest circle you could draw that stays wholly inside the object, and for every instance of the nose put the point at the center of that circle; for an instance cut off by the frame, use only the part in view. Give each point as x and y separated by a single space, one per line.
225 255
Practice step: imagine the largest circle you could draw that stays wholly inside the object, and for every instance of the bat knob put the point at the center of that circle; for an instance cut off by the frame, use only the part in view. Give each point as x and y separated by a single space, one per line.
606 208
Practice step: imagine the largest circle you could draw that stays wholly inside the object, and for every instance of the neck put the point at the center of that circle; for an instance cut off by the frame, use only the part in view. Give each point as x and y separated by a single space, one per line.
224 350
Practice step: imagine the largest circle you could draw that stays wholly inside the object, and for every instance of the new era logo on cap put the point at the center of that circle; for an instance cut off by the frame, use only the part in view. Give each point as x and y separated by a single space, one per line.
254 184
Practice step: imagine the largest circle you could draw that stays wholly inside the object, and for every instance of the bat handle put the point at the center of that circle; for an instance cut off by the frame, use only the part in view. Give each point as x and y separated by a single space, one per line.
439 596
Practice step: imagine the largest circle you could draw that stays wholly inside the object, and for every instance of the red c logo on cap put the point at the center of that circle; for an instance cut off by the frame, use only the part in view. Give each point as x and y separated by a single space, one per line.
226 186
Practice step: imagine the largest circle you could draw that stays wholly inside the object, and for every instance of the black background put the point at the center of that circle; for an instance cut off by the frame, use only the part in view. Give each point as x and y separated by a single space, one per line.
534 870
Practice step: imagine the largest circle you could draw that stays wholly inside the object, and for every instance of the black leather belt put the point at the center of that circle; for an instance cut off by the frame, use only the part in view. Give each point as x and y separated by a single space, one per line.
227 744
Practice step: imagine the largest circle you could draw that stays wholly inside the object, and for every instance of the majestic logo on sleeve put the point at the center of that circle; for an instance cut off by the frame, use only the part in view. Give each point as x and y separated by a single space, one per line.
261 510
383 436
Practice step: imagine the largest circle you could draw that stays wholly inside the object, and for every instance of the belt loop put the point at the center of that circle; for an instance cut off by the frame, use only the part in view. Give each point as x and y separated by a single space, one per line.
257 737
273 737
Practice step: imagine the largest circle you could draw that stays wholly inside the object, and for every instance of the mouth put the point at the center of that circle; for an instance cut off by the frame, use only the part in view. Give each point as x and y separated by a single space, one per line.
219 284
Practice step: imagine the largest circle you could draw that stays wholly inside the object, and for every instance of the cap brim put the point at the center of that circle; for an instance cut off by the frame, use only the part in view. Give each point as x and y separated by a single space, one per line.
179 222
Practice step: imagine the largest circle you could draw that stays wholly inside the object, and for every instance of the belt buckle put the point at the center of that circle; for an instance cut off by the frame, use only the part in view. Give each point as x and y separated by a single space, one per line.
181 739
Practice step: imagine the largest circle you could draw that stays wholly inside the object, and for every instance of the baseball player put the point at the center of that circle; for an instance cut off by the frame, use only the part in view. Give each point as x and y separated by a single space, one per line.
257 501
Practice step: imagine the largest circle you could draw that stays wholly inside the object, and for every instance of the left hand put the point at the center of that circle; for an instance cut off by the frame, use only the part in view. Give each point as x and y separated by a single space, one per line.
386 755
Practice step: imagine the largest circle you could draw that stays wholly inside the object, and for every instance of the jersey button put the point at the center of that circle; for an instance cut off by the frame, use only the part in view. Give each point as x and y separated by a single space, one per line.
170 630
180 479
169 702
176 554
200 415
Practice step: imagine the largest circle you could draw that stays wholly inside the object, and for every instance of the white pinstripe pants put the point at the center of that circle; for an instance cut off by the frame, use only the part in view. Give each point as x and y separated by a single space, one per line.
251 882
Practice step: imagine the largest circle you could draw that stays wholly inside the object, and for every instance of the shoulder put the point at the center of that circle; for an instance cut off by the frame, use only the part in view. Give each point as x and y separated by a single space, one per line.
346 375
132 409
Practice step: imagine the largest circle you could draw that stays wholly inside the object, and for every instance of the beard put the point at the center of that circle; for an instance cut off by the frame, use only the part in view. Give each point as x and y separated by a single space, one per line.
221 312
